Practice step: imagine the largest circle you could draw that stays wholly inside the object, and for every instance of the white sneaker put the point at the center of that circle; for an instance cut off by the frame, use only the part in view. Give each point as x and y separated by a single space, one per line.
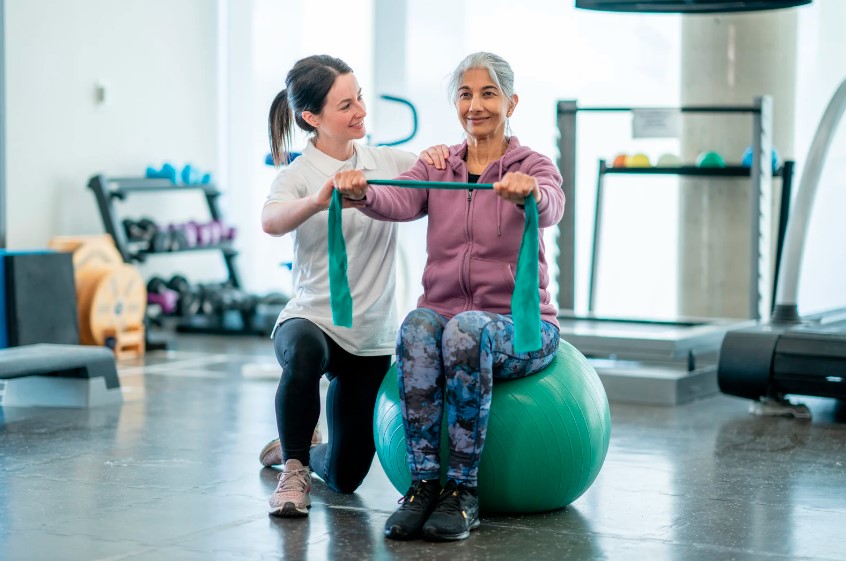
271 454
291 497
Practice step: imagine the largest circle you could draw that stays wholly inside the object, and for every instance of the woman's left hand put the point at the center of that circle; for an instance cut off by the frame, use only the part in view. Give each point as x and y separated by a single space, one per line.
516 186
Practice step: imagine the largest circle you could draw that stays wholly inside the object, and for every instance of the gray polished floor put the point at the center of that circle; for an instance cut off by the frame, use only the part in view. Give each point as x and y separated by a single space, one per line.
172 474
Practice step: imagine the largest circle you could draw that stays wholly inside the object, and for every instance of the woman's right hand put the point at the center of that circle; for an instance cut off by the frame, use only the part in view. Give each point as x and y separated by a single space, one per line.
324 196
436 155
351 184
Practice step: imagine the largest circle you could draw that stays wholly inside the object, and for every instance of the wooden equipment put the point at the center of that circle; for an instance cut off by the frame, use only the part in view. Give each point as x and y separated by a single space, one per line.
111 295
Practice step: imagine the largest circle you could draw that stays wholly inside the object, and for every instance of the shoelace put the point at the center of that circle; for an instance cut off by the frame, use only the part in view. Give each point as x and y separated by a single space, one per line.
419 489
451 503
289 478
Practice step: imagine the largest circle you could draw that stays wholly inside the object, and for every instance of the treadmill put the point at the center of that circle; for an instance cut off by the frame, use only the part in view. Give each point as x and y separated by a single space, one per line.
791 354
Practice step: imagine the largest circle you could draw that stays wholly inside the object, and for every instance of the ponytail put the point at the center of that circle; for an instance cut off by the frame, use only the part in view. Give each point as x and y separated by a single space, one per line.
280 128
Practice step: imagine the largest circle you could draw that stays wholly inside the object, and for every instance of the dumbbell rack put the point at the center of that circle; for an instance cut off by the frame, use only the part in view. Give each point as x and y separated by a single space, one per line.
107 190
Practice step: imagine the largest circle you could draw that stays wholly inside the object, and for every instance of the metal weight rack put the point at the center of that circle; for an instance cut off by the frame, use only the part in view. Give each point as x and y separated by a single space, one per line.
645 360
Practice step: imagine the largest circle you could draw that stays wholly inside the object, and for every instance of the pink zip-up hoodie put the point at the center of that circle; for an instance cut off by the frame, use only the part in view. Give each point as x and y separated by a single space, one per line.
473 236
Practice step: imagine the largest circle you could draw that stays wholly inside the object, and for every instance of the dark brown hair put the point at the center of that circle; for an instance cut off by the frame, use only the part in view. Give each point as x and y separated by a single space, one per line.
306 87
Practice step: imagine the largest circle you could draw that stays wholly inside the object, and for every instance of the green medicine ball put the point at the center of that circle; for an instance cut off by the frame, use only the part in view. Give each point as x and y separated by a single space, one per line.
547 437
710 160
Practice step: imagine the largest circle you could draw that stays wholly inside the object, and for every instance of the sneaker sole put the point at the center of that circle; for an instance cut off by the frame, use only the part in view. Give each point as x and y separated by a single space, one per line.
394 533
433 536
289 510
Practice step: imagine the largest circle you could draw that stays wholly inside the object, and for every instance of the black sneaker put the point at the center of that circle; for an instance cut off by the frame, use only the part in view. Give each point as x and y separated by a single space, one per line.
456 514
417 504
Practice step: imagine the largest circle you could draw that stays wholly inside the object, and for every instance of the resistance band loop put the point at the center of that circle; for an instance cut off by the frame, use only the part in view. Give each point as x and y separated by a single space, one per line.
525 301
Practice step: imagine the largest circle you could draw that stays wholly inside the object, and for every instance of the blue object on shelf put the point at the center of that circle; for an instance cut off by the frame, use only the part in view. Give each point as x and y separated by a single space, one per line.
746 161
291 157
192 176
167 172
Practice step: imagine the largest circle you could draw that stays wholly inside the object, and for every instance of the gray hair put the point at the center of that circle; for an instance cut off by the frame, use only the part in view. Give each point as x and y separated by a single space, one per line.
498 69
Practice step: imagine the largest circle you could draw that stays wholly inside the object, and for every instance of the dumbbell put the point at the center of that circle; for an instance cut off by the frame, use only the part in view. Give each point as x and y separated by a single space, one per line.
208 299
249 302
216 228
236 299
191 232
203 233
159 294
189 301
167 172
143 230
176 237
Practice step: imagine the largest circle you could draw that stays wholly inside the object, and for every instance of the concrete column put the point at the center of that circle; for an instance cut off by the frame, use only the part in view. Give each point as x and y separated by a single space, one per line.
729 60
390 22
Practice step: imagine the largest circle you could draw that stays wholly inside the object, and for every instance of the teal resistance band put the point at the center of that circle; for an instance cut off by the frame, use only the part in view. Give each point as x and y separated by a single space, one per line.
525 301
339 285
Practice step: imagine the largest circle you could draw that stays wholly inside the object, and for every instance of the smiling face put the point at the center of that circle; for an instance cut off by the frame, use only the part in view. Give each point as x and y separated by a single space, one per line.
481 106
342 117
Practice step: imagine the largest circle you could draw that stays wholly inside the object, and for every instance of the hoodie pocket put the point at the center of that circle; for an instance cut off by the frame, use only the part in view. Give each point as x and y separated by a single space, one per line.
491 284
441 281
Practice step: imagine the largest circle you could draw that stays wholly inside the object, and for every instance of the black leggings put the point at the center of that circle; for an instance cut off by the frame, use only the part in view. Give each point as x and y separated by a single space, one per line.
306 353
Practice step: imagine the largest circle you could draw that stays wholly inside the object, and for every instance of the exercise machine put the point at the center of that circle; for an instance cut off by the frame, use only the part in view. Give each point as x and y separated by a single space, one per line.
792 354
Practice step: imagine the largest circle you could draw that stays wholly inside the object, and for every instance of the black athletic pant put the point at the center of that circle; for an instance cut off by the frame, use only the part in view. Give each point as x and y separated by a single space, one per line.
306 353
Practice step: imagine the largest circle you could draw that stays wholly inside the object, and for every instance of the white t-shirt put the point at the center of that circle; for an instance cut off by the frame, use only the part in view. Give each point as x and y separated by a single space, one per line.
370 251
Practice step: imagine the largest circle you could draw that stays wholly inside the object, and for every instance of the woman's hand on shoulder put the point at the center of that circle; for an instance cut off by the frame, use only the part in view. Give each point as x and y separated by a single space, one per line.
436 155
351 184
515 186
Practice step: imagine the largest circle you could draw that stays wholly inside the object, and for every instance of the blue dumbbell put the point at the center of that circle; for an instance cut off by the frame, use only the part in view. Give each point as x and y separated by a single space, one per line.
746 161
167 172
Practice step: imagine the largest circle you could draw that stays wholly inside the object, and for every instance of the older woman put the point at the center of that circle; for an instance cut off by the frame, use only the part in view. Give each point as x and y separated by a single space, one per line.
460 338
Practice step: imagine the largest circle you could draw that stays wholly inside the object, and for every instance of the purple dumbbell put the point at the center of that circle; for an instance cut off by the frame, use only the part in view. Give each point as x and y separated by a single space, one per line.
191 232
216 229
166 300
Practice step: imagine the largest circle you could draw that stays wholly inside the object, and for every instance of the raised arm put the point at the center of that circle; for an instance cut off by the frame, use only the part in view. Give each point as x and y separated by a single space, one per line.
385 202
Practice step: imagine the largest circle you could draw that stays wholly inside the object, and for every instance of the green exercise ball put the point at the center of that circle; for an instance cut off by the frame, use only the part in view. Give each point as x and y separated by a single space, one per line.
547 437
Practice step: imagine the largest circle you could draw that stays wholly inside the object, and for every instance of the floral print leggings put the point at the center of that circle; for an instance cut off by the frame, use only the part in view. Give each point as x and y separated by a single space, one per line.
450 365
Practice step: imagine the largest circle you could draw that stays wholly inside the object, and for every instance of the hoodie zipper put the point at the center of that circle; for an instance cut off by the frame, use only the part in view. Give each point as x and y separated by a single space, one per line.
464 273
499 203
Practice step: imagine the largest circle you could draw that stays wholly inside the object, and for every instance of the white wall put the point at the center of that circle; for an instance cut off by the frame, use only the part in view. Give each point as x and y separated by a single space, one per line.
821 68
157 59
